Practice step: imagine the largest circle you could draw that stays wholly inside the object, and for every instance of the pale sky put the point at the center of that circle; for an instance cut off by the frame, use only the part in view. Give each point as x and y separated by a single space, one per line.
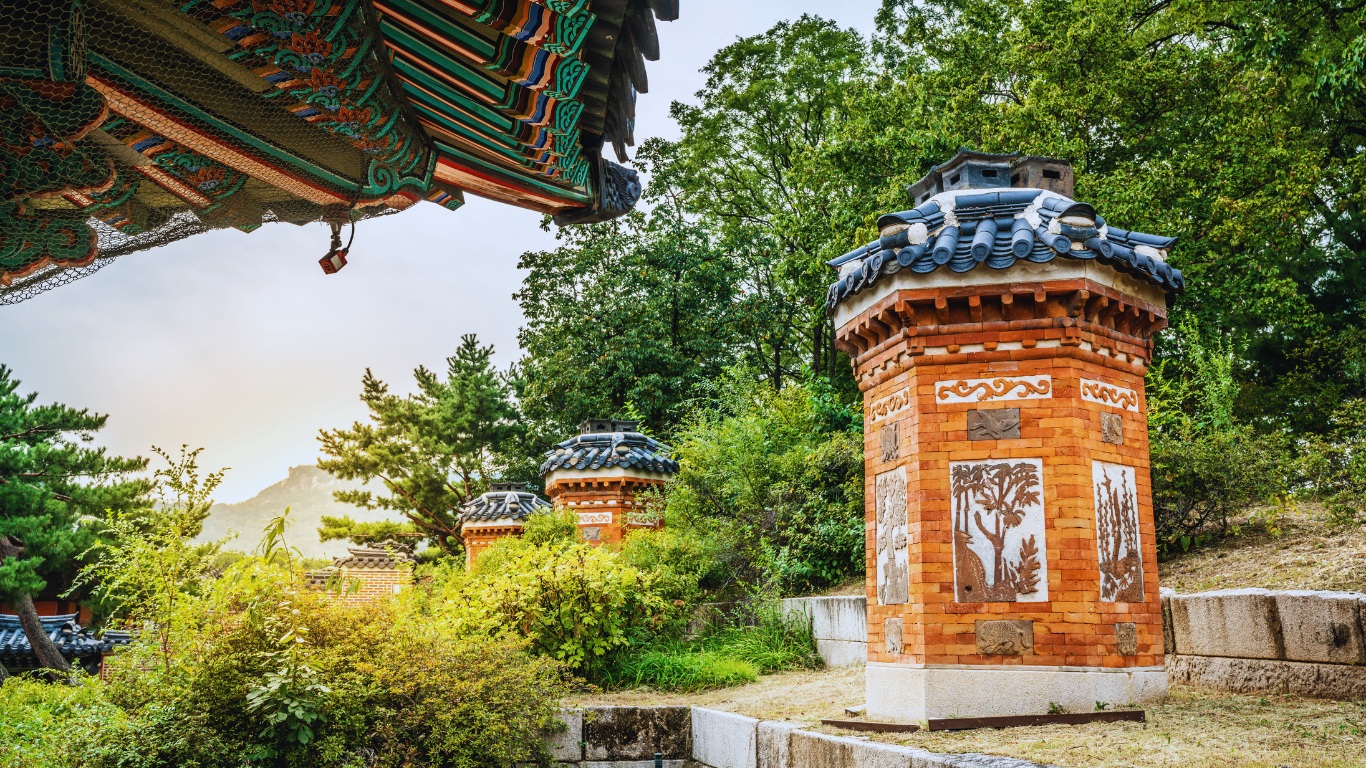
240 344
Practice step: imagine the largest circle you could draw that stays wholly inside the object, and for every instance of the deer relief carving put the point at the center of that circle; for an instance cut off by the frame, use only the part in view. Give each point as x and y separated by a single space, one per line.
893 557
1117 544
998 531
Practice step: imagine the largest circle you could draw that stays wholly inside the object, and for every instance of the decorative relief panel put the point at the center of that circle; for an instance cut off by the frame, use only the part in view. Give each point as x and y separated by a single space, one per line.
1112 428
890 405
1004 637
1117 542
995 424
998 531
891 442
1093 391
592 534
893 558
999 388
595 518
893 636
1126 638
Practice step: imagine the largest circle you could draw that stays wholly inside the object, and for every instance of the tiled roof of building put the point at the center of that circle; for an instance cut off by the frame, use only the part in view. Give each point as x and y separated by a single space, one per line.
605 444
387 555
74 641
966 227
505 501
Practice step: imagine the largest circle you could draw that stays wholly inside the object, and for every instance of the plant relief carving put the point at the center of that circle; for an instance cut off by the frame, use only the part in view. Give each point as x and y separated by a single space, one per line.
893 559
998 531
1117 543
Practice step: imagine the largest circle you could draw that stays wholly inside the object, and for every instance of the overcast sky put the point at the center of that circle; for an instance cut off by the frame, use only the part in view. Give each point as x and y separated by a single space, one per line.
240 344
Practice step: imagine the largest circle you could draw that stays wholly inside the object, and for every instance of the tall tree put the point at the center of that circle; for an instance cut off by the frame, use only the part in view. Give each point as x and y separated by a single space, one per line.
769 101
51 481
434 449
627 317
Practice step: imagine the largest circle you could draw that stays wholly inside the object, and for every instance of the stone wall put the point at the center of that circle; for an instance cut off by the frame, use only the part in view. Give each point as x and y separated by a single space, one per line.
839 624
1258 640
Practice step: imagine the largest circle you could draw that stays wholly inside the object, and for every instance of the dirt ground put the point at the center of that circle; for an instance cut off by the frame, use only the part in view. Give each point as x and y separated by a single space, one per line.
1298 550
1193 729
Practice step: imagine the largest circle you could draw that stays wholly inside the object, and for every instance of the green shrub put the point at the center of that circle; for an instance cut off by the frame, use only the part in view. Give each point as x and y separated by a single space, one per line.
1201 480
53 726
775 642
551 526
678 667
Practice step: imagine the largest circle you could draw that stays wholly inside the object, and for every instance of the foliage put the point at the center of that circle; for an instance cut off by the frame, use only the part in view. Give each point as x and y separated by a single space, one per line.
551 527
778 477
145 560
573 602
363 533
624 318
54 726
433 450
768 641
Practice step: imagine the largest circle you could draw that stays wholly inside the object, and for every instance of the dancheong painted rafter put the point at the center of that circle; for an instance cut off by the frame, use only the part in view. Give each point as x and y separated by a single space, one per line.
126 124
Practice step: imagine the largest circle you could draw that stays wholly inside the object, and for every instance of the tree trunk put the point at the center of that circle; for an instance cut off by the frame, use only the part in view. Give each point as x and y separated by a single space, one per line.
4 674
43 647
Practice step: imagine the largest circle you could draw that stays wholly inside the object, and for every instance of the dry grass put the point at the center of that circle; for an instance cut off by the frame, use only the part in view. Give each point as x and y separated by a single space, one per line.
1193 728
805 696
1298 550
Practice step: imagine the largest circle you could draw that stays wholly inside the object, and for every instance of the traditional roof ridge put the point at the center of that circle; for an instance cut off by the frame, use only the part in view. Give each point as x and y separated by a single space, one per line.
963 228
386 555
610 444
71 639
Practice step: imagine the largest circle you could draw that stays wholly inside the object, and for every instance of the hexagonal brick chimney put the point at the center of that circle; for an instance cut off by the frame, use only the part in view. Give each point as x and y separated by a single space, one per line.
599 472
1000 332
499 512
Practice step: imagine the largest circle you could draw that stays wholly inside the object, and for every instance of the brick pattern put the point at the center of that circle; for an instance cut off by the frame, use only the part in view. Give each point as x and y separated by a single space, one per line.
1067 331
479 538
607 507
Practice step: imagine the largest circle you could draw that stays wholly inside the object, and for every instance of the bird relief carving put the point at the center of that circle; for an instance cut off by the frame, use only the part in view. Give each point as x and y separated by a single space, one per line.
1117 544
893 558
998 531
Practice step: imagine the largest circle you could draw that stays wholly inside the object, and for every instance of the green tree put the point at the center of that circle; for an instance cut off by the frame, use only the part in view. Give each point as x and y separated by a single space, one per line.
363 533
624 317
434 449
770 101
51 482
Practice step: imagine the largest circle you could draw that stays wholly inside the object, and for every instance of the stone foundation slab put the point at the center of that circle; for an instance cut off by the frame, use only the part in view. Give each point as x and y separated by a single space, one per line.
1320 681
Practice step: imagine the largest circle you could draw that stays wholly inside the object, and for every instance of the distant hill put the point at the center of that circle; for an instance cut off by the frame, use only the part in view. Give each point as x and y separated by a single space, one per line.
308 494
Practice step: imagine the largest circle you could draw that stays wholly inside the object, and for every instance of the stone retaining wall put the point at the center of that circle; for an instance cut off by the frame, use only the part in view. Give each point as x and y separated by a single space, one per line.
1258 640
839 624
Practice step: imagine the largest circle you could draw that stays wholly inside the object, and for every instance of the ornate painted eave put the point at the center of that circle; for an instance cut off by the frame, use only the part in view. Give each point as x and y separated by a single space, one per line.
127 124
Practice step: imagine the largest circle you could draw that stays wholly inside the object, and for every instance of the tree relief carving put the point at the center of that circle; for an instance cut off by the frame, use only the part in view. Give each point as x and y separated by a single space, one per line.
1118 547
999 388
998 531
893 557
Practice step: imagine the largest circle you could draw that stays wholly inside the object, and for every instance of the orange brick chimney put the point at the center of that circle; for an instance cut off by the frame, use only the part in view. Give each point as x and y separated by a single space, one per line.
500 512
1000 332
598 474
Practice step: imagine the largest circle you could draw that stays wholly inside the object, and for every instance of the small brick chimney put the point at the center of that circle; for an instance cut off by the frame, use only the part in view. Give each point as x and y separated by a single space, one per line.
599 473
1000 332
499 512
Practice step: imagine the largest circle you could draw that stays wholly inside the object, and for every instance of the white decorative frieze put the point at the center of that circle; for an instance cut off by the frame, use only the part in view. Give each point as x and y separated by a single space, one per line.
1093 391
890 405
994 389
595 518
999 553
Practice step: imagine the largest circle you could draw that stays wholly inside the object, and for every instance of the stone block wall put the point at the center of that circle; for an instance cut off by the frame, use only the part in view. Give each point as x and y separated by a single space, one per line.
1258 640
839 625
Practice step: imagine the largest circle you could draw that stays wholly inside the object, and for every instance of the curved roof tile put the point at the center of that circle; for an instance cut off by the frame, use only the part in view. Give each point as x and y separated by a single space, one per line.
964 228
73 640
506 501
624 449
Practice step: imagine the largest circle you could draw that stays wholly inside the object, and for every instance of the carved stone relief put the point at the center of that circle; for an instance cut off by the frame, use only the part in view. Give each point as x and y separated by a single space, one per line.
998 531
592 534
999 388
893 636
1126 638
1112 428
1117 540
891 443
893 558
995 424
1005 638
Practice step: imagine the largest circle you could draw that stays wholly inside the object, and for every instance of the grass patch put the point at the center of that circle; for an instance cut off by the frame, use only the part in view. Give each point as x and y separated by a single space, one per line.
730 656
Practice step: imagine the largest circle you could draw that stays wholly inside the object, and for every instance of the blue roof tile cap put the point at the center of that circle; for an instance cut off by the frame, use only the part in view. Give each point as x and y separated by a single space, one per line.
508 501
963 228
607 444
73 640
